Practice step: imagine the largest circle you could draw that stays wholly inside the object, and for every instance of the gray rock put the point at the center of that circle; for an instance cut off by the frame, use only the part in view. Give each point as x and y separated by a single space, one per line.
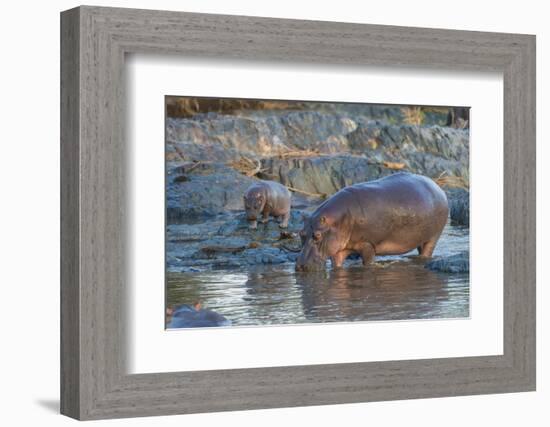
351 146
223 138
428 150
267 255
226 242
322 175
457 263
257 134
459 206
206 191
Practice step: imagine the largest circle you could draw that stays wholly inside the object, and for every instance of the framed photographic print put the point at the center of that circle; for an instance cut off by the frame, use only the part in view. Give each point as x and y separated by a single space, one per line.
261 213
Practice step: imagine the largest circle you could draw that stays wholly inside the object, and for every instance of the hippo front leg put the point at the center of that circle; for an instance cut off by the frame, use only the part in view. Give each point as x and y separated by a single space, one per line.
265 217
284 220
338 259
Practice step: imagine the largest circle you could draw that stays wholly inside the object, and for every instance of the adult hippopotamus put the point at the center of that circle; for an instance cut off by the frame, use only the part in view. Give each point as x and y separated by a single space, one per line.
388 216
267 198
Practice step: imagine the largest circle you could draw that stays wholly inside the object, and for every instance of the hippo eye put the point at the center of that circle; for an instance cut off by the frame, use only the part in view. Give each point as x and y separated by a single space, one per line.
317 236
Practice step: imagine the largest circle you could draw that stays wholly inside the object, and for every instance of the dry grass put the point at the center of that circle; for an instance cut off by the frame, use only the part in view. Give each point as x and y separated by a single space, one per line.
413 115
187 107
251 167
246 166
452 181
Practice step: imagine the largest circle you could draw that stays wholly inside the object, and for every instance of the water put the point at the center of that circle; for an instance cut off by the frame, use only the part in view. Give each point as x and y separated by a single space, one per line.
393 288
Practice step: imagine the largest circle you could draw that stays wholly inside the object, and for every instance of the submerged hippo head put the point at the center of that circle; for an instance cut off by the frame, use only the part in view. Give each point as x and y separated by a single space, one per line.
254 203
320 240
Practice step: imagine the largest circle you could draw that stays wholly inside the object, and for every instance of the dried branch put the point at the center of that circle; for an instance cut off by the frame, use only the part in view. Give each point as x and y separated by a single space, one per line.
451 181
393 165
298 153
306 193
193 167
211 250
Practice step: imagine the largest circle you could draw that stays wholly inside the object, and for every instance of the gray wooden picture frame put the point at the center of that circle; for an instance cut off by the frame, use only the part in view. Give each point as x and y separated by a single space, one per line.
94 41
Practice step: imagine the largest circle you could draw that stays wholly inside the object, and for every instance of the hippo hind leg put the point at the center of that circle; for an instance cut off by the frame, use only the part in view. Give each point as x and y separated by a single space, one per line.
427 249
367 252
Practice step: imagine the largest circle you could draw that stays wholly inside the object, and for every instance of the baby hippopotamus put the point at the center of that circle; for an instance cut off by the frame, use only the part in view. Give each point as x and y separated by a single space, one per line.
267 198
186 316
389 216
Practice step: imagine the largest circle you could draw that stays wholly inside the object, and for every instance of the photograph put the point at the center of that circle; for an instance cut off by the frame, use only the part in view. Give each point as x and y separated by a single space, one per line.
283 212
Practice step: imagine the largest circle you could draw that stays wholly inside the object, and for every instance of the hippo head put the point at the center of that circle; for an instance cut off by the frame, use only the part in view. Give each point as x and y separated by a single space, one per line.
254 203
320 240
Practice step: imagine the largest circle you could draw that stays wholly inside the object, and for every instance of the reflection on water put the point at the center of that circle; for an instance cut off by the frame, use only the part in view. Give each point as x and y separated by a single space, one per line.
391 289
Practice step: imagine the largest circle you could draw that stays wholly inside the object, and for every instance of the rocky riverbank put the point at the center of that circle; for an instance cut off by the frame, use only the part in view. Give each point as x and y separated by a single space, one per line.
213 157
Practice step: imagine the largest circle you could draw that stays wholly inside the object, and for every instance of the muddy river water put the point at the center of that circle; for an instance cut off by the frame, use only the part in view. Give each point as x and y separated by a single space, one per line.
393 288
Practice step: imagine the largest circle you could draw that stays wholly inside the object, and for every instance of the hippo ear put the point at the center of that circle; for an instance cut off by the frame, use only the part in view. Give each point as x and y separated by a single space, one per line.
322 220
